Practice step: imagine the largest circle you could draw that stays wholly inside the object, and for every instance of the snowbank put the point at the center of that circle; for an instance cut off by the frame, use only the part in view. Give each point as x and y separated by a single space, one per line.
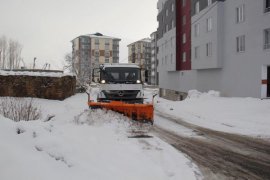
78 144
247 116
29 73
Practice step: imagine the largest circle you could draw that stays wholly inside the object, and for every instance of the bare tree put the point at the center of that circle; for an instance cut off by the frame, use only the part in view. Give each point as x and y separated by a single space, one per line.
14 50
73 64
10 53
3 51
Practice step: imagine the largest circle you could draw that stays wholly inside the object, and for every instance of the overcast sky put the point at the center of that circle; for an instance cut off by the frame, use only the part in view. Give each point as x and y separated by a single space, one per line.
46 27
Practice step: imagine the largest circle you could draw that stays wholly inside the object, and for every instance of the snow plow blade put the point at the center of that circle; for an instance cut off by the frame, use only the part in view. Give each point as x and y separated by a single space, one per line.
139 112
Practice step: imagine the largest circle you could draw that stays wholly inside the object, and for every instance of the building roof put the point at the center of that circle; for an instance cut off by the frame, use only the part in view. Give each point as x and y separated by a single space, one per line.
147 40
98 35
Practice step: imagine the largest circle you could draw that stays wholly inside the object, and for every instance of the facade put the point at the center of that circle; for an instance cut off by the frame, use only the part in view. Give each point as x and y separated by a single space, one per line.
89 51
174 48
154 60
230 44
139 53
230 48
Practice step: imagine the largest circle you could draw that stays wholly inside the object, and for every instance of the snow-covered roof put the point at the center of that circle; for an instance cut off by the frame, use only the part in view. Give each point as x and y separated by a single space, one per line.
99 35
30 73
147 40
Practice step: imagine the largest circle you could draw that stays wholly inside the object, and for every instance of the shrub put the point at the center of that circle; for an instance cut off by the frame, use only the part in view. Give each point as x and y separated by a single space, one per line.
19 109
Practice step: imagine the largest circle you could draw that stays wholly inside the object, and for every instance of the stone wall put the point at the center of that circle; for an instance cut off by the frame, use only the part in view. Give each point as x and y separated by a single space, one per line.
57 88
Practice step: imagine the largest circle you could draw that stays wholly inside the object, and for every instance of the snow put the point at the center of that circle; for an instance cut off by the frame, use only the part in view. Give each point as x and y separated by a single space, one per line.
29 73
81 144
245 116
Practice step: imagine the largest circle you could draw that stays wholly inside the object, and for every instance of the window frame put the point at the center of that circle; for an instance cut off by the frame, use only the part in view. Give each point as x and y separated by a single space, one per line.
197 30
266 39
196 52
241 44
197 7
209 49
240 14
209 24
184 57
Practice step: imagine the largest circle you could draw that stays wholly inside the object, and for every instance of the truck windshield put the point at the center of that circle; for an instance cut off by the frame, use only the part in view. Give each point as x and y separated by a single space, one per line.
121 75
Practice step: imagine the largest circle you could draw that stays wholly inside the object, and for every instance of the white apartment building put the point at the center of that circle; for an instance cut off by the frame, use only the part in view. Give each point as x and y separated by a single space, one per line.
231 46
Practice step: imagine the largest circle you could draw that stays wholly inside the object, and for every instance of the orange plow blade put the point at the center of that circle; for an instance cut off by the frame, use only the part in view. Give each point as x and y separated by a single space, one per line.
140 112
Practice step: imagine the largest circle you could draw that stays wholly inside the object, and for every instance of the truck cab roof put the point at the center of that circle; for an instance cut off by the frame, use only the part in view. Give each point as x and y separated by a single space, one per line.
120 65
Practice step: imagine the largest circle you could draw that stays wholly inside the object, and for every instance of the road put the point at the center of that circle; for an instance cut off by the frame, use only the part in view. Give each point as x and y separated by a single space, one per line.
220 155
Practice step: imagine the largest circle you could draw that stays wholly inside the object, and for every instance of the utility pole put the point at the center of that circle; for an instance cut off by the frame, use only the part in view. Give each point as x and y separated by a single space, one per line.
34 65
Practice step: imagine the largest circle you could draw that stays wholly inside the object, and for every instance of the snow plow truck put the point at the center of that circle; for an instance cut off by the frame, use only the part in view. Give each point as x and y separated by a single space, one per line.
121 90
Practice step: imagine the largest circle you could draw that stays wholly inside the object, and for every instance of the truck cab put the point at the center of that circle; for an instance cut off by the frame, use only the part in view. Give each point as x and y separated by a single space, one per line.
119 82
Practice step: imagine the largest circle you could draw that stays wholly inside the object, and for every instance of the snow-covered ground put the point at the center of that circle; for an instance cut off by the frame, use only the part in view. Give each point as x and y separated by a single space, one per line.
246 116
79 144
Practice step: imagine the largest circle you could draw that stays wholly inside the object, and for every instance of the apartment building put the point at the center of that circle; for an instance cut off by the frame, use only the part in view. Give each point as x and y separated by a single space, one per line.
154 60
228 49
89 51
231 46
174 48
139 52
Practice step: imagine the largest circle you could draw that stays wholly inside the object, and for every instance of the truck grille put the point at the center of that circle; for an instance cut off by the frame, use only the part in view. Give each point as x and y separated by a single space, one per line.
121 95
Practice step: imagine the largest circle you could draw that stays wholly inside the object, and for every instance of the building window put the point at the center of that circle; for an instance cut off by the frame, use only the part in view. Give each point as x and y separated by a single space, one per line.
172 7
209 49
267 38
209 2
107 54
184 38
107 60
267 6
184 20
240 14
209 24
196 29
172 23
197 7
183 3
196 52
167 13
240 43
184 57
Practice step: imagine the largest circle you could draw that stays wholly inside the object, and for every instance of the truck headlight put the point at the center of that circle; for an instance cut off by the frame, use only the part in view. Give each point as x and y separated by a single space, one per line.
103 81
138 81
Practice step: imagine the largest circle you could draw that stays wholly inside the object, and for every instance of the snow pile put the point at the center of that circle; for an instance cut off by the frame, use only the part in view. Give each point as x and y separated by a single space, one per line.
80 144
247 116
196 94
